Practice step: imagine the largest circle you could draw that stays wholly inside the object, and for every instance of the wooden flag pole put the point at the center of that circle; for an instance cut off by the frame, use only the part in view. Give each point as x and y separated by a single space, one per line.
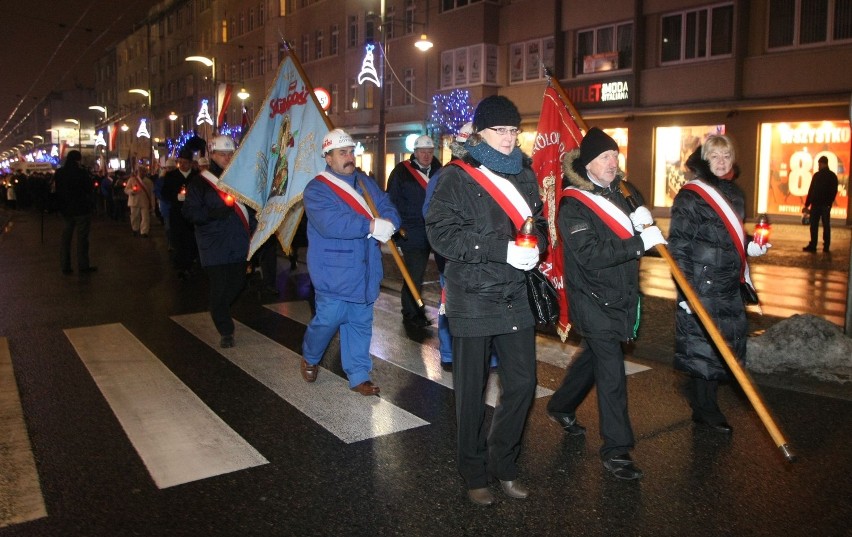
700 311
400 263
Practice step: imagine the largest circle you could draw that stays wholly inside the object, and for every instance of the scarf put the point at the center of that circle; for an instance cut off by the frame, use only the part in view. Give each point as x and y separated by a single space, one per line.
510 164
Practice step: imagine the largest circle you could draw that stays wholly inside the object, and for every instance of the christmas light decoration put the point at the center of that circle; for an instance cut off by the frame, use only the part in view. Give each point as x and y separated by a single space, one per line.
451 110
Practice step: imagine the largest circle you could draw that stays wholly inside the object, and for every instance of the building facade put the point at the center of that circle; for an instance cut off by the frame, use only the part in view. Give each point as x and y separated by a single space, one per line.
659 75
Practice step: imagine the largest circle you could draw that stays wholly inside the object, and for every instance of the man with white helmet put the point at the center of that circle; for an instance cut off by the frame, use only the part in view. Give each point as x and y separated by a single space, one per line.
223 228
407 186
344 261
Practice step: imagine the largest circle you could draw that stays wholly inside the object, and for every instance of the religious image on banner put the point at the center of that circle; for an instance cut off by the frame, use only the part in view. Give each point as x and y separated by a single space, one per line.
557 134
788 160
279 154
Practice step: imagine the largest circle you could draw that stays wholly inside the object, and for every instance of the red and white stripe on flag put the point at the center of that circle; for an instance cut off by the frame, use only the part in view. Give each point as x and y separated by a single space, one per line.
557 134
223 97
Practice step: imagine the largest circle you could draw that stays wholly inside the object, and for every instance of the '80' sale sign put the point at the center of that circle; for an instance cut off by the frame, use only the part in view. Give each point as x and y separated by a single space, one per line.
788 159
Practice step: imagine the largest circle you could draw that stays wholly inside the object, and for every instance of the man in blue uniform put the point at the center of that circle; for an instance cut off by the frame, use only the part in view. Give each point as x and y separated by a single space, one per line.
345 261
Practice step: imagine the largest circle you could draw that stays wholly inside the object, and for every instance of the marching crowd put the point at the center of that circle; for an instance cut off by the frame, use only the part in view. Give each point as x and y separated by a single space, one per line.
466 214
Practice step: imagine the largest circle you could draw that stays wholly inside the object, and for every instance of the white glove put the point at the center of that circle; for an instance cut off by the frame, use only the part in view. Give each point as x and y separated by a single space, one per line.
755 250
641 218
521 257
652 236
382 230
685 306
181 196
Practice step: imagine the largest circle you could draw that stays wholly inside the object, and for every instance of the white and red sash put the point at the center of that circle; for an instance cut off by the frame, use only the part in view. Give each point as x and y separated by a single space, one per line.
348 194
502 190
607 211
144 188
735 228
421 177
239 208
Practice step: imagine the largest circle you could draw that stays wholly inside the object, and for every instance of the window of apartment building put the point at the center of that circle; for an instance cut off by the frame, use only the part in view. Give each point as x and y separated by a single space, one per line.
697 34
251 19
190 19
410 10
190 85
353 97
261 63
243 70
241 29
605 48
178 20
352 31
261 14
306 46
318 44
251 71
390 19
409 86
388 89
370 29
447 5
471 65
806 22
369 96
528 59
334 40
335 93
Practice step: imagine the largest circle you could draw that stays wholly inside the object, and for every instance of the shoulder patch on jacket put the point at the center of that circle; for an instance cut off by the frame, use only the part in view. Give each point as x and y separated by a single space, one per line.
578 228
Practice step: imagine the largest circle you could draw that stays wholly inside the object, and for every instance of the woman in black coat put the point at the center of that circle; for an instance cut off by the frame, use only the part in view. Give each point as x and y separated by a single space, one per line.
714 264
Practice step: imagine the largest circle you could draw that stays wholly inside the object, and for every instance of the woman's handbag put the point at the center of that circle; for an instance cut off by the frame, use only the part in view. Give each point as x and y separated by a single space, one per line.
749 294
543 297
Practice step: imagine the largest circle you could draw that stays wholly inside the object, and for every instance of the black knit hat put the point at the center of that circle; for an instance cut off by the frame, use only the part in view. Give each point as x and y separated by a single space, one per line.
496 111
186 153
594 143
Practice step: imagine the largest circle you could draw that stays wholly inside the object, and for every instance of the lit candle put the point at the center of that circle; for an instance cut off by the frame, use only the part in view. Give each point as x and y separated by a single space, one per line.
761 230
526 236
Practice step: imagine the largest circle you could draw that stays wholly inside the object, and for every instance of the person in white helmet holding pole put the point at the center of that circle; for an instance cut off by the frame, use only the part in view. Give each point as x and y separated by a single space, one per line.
407 186
344 261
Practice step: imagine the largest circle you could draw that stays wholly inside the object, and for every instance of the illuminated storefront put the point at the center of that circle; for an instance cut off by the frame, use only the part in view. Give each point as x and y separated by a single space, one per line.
788 159
672 147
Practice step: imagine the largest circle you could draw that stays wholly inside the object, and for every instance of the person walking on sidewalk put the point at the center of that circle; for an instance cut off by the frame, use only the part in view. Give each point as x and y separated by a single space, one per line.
140 199
821 195
705 212
344 261
74 187
407 186
476 211
603 244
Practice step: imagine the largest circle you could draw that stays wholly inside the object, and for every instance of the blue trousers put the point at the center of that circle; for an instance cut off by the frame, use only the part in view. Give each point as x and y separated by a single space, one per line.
355 322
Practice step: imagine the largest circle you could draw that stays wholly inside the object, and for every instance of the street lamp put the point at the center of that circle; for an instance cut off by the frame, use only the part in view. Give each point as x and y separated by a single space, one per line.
243 94
209 62
147 94
172 117
79 133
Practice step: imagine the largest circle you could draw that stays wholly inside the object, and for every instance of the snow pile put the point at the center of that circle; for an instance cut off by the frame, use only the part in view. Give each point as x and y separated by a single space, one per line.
806 344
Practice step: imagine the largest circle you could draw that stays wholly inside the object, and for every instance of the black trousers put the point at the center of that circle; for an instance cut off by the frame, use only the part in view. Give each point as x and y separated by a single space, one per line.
821 213
226 284
415 262
702 397
82 224
601 362
482 453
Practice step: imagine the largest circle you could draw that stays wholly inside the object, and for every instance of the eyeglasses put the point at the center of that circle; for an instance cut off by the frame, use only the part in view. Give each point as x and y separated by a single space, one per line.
503 131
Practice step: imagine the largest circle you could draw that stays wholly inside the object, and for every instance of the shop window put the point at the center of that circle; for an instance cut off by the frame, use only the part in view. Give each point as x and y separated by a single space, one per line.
606 48
788 158
697 34
795 23
672 146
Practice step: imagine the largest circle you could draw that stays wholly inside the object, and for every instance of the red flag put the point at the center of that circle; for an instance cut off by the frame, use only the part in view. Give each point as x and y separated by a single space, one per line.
225 91
557 134
113 135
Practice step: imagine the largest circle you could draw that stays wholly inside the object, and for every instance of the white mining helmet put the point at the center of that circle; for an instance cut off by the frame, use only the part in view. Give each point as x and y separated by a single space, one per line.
424 142
336 139
223 143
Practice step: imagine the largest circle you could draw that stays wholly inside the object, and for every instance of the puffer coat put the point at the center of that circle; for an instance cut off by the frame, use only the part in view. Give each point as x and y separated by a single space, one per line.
703 249
601 269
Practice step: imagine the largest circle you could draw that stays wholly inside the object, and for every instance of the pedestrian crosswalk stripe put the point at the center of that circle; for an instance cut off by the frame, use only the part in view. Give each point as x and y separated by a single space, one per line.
175 434
390 344
21 499
348 415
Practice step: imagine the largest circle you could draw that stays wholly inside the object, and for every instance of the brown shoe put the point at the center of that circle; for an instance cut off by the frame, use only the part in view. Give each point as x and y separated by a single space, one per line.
366 388
309 372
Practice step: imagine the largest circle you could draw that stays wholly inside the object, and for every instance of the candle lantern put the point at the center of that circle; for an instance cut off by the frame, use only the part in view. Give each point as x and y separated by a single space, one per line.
526 236
761 230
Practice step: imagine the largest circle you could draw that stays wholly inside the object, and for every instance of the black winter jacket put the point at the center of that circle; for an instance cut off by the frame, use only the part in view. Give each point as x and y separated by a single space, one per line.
74 188
485 295
601 269
703 249
406 193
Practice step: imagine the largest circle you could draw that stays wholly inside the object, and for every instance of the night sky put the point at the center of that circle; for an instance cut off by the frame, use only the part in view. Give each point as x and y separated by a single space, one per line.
48 45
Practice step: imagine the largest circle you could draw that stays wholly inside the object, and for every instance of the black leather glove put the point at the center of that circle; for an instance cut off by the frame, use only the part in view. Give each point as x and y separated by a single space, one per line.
220 213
